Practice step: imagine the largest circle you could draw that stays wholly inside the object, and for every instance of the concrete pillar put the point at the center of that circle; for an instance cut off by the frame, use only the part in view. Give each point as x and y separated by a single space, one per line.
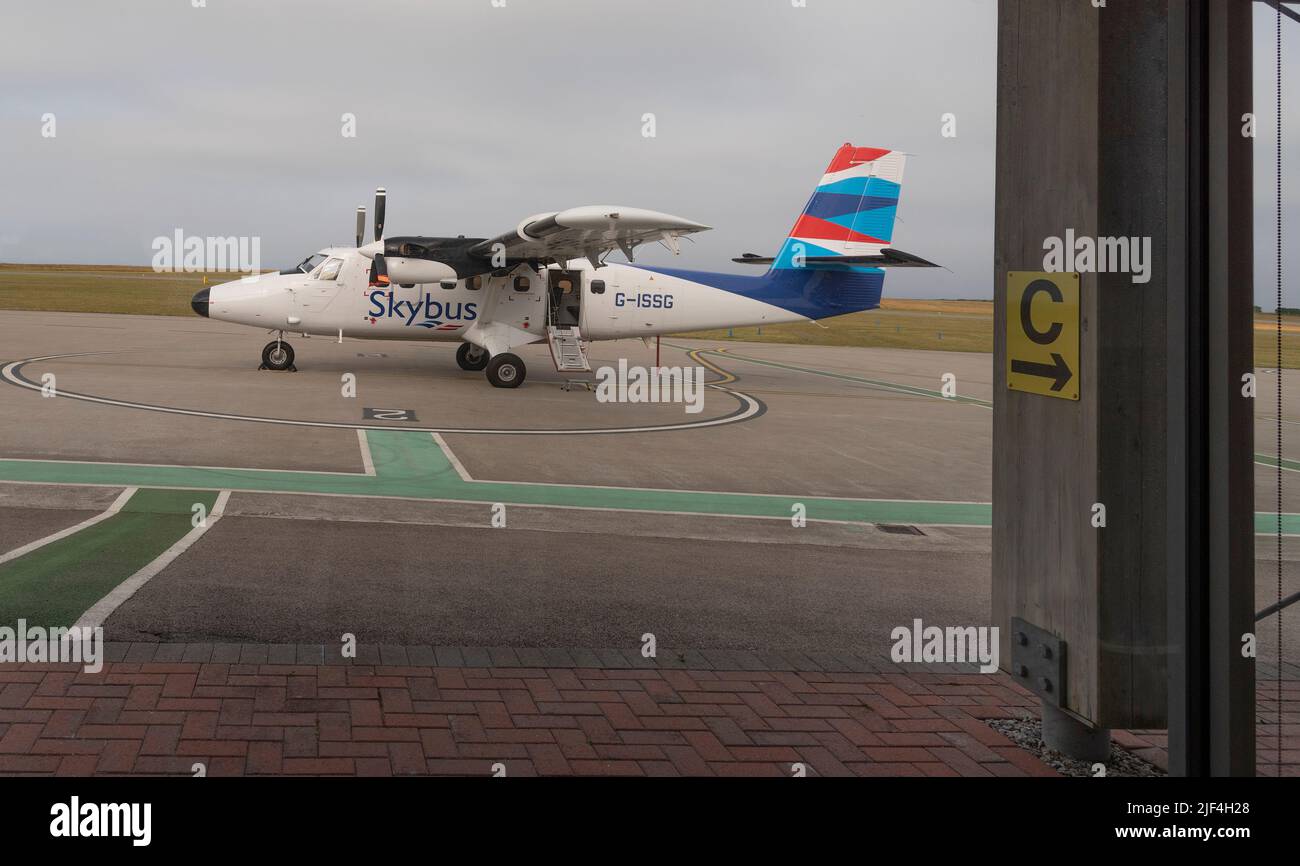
1084 153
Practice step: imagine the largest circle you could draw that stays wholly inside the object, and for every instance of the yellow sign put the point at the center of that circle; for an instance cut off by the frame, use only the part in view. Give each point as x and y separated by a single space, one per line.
1043 333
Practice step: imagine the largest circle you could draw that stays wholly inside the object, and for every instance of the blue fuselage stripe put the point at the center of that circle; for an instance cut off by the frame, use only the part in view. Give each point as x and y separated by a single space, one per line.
814 293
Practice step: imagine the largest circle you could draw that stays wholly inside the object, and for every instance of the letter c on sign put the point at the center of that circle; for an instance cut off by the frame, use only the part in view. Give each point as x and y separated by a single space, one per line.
1042 338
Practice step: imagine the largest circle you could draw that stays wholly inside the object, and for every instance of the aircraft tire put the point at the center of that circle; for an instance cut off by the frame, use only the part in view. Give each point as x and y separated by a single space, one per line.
463 357
506 371
278 355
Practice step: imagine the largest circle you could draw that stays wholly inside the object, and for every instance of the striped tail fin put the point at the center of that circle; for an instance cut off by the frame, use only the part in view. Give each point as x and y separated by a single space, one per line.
851 213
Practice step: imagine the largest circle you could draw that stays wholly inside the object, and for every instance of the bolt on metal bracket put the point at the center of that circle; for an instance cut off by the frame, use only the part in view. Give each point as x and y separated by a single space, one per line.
1038 661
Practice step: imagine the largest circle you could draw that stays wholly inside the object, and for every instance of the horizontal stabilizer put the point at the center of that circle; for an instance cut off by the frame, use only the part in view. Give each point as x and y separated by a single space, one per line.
886 258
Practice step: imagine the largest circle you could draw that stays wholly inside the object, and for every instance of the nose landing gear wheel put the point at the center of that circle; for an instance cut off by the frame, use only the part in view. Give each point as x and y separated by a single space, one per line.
506 371
278 355
471 357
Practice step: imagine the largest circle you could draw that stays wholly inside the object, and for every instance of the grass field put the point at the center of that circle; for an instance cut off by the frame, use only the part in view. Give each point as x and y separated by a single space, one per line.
1266 341
943 325
99 289
958 326
952 326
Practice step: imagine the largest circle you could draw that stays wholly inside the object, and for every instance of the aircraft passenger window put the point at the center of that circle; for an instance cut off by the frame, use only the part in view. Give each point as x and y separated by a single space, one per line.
598 287
522 284
474 283
330 270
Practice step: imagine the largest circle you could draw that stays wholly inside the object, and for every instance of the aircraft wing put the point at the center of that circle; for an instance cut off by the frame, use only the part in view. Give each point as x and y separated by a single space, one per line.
586 232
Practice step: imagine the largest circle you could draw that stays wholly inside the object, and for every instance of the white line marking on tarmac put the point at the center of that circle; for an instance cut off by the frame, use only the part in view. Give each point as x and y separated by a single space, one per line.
169 466
71 530
452 458
476 522
1268 465
750 408
366 460
896 387
465 476
255 491
102 609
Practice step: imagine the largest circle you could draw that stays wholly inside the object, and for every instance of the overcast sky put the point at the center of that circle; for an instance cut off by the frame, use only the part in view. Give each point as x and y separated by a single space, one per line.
226 120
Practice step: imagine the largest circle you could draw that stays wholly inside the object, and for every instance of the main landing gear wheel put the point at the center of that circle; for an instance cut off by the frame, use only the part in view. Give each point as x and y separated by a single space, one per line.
278 355
506 371
471 357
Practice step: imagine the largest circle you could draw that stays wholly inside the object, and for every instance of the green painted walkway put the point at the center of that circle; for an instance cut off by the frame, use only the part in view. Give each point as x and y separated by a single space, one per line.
1266 460
413 465
55 584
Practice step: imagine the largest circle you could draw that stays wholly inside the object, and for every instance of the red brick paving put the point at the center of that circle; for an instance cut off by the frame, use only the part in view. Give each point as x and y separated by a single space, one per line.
255 717
376 719
1269 727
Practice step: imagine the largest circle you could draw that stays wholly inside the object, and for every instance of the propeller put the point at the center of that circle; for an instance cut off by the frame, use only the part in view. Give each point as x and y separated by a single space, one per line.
378 272
378 267
361 225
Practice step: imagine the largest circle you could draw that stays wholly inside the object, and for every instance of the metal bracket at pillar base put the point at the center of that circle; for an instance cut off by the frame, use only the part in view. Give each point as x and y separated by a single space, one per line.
1065 733
1038 661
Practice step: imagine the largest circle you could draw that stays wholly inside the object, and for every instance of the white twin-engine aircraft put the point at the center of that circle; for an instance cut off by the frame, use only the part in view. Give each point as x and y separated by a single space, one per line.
548 280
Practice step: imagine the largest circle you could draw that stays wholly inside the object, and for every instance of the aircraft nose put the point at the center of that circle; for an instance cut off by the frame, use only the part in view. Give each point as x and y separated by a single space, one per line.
200 303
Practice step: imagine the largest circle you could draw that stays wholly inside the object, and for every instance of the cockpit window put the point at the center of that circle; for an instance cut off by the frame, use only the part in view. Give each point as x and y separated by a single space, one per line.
329 270
311 263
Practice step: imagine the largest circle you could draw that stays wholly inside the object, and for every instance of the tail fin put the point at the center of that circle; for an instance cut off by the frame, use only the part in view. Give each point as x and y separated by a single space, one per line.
851 213
835 258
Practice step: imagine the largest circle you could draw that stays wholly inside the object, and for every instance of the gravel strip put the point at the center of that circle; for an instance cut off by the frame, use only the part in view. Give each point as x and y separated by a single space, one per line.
1028 734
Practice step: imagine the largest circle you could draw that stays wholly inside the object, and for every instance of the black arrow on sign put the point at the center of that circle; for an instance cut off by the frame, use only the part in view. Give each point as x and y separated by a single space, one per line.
1057 370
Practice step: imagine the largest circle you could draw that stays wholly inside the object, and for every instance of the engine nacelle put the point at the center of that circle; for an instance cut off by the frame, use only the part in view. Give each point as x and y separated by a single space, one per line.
404 271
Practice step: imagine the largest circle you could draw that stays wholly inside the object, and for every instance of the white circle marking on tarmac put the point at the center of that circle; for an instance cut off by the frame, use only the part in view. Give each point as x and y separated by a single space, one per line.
750 407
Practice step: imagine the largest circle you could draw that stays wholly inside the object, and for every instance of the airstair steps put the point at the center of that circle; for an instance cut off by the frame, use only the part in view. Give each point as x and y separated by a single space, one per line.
567 350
